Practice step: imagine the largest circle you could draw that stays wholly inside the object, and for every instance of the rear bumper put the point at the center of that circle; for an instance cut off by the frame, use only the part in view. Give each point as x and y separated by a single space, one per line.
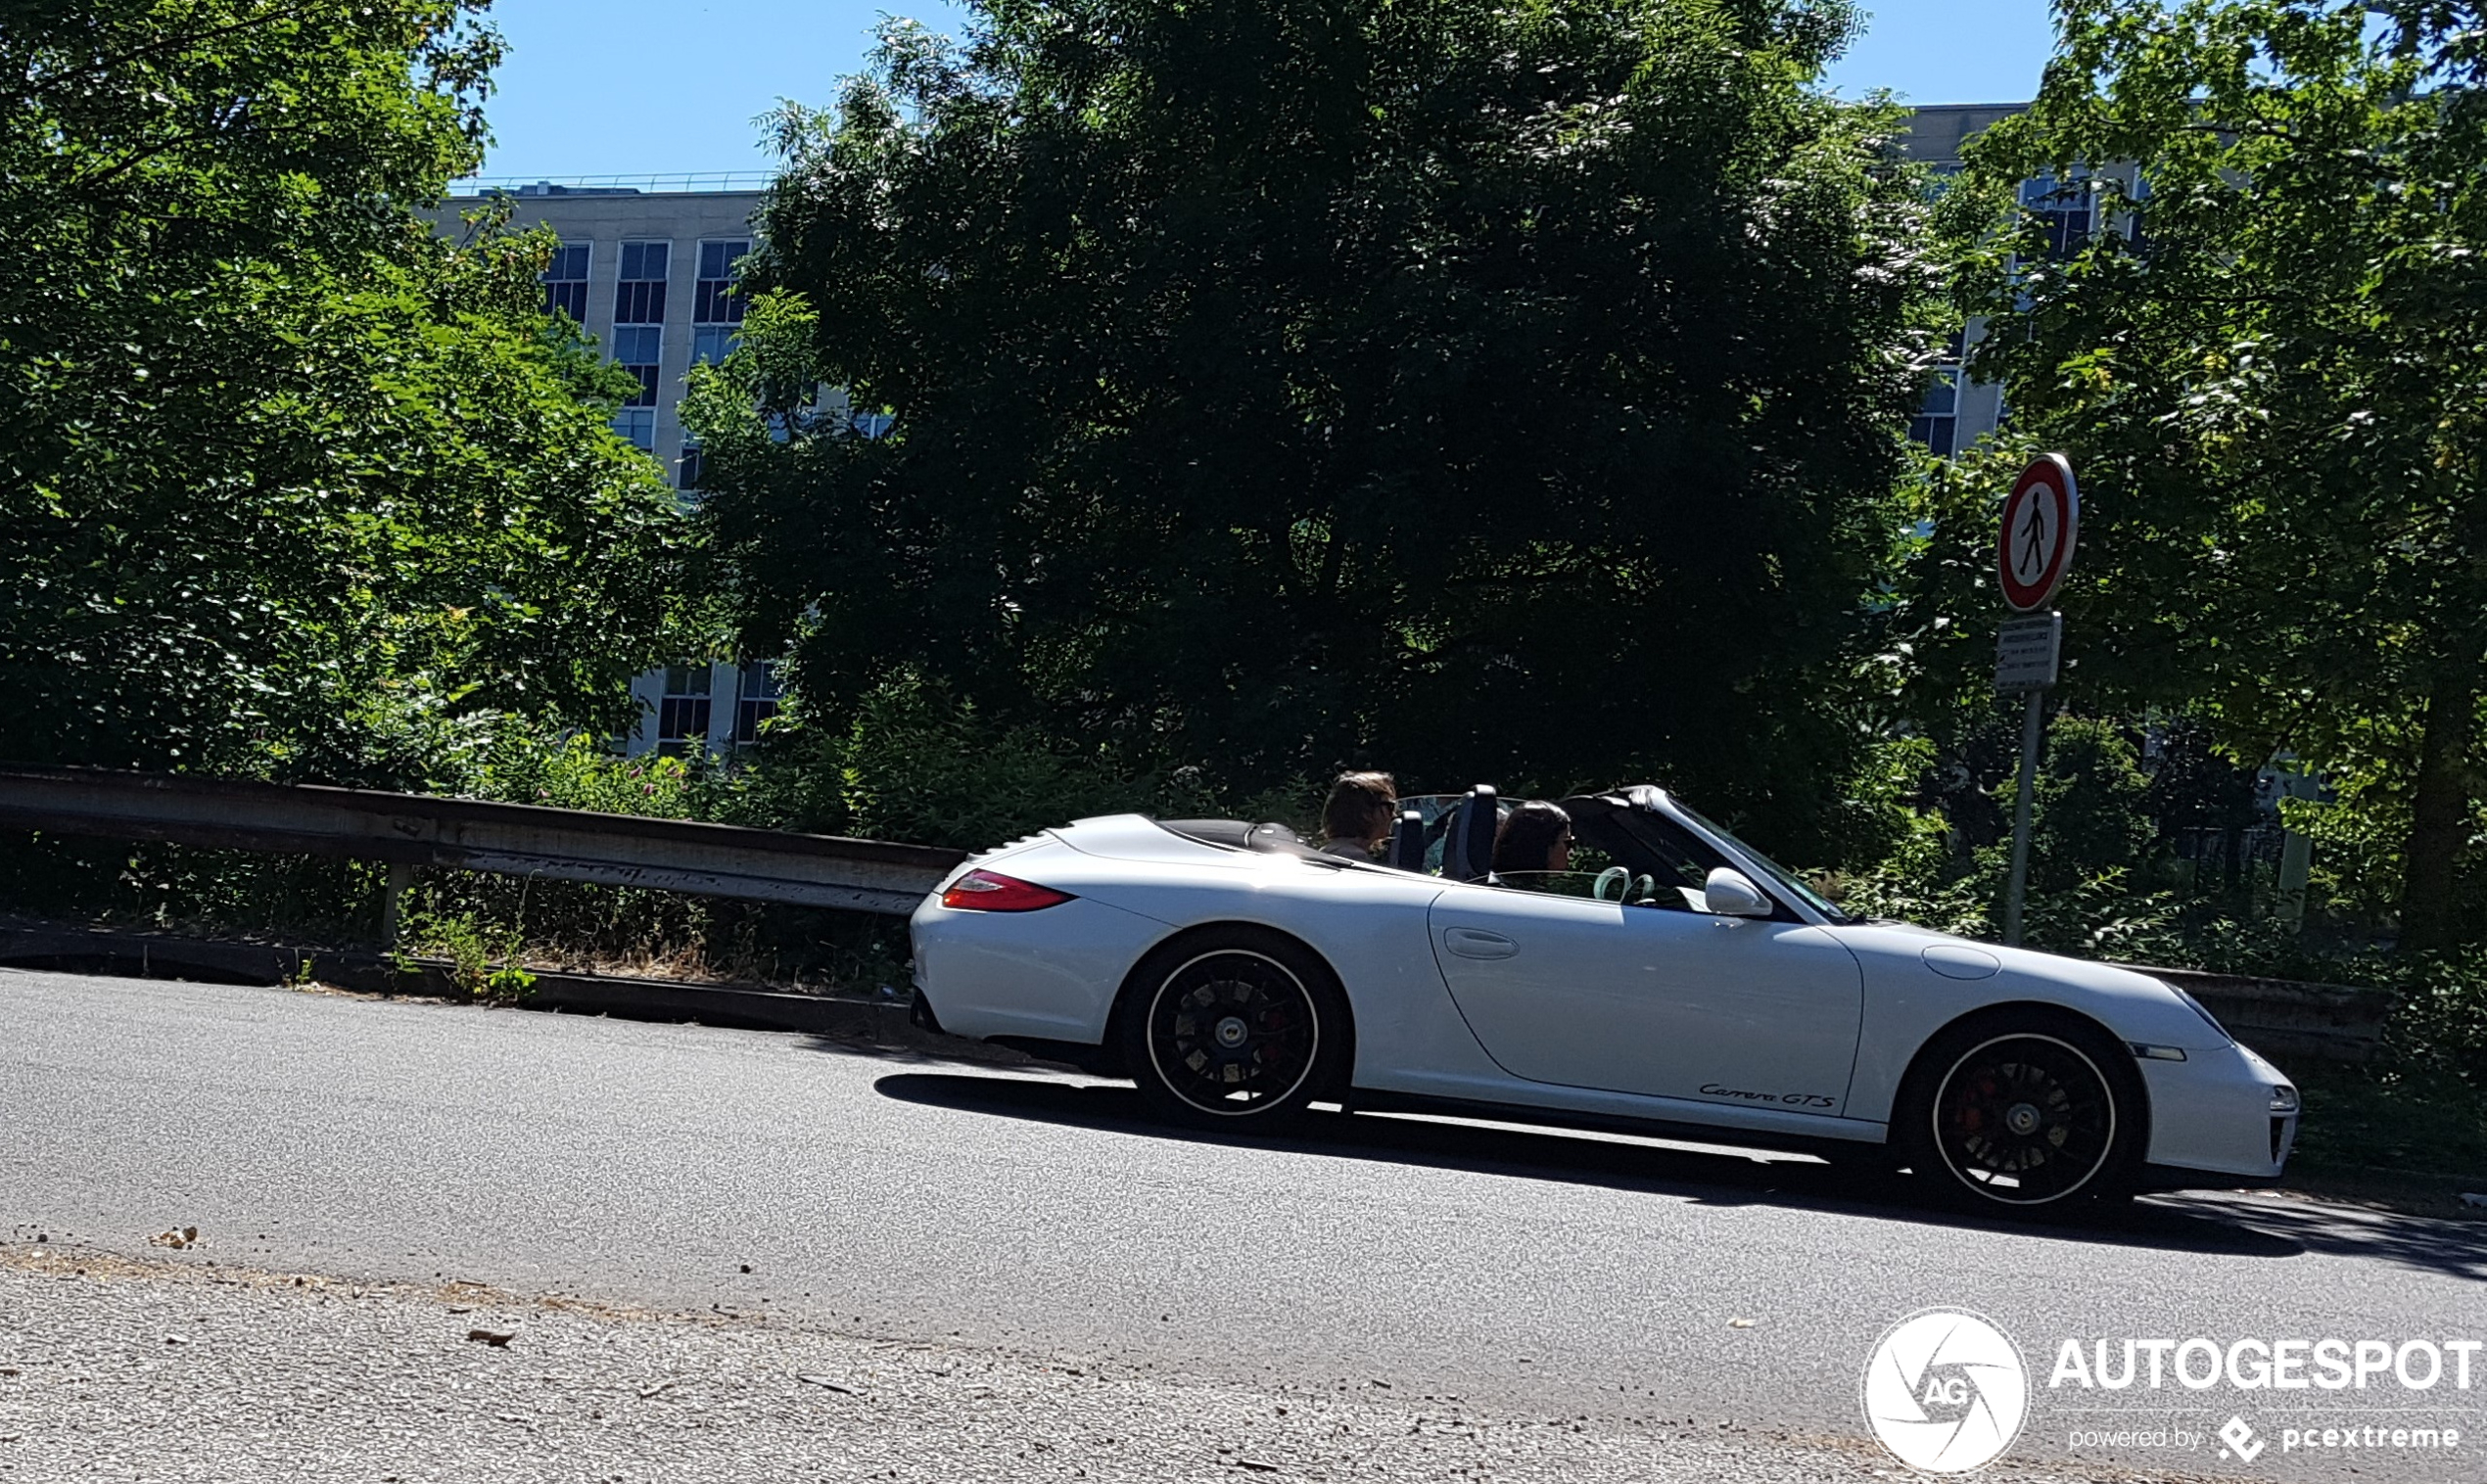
1050 974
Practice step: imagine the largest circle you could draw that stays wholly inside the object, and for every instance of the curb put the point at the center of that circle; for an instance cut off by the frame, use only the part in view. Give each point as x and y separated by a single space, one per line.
149 956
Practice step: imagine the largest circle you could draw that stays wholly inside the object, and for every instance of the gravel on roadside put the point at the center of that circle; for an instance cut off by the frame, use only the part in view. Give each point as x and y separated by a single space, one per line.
115 1369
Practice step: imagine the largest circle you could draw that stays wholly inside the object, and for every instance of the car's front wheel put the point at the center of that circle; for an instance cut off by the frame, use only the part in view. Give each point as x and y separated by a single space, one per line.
2025 1115
1235 1027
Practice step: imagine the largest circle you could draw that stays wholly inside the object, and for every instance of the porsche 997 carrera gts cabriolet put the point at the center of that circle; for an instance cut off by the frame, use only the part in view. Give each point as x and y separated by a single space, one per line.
1684 987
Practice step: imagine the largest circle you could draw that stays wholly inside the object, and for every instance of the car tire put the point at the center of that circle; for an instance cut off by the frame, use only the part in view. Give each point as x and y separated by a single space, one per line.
1235 1029
2024 1114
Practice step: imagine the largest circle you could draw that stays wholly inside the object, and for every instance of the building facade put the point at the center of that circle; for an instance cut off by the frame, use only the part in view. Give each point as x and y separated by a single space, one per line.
1956 412
647 270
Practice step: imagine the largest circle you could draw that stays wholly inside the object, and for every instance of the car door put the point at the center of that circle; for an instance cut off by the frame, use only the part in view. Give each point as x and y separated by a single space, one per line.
1653 999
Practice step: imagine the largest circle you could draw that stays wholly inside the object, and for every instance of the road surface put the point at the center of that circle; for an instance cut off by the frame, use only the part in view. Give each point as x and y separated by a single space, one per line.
839 1197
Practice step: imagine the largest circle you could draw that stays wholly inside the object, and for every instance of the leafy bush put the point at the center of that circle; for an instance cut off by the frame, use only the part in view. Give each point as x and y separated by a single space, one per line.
484 957
1874 819
2092 820
918 763
579 771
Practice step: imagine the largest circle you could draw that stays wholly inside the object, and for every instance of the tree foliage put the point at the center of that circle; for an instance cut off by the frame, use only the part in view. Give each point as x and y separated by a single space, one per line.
288 484
1476 389
2271 371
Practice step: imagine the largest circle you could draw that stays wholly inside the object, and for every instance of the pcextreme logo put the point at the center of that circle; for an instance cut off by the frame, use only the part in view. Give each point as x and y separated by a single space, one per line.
1945 1391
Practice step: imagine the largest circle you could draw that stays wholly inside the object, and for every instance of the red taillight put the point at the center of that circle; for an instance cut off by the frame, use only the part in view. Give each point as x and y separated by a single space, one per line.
993 892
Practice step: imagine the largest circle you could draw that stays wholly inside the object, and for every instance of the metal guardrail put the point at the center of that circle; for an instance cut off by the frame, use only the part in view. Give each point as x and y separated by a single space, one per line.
508 839
2283 1019
2289 1020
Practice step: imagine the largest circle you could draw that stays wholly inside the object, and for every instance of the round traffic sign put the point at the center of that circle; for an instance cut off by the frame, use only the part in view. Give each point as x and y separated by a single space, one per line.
2040 521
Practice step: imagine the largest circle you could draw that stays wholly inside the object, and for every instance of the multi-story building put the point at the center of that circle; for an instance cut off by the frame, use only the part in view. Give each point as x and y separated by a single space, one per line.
1957 411
646 266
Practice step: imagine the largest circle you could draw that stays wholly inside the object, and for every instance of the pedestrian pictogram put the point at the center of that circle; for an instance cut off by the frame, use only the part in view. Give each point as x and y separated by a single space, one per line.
2041 522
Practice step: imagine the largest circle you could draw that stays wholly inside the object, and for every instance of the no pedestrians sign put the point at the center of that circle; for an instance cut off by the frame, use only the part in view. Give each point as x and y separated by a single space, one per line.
2040 521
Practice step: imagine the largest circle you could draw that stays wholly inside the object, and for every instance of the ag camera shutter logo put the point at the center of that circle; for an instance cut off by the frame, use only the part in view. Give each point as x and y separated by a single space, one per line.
1945 1392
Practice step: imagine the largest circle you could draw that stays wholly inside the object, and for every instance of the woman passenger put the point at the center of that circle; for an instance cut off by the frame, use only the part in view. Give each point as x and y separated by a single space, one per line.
1536 836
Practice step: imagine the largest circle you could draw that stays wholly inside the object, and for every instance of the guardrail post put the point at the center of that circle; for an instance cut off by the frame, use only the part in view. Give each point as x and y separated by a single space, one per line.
401 876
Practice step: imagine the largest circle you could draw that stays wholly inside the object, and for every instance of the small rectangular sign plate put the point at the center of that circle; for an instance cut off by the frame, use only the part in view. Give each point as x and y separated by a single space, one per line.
2026 651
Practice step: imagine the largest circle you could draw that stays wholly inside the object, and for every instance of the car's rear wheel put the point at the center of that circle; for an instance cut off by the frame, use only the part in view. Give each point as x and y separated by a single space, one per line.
2024 1115
1235 1027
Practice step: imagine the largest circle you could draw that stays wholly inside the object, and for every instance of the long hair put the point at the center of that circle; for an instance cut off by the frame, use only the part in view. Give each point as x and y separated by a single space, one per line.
1359 806
1525 839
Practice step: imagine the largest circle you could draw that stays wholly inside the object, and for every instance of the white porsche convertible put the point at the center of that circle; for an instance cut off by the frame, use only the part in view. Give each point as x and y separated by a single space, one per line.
1690 988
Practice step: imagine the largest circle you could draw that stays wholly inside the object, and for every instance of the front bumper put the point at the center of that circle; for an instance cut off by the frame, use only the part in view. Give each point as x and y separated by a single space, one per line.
2211 1116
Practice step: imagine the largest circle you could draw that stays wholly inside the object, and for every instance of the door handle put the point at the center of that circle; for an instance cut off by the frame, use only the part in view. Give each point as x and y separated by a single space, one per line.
1473 943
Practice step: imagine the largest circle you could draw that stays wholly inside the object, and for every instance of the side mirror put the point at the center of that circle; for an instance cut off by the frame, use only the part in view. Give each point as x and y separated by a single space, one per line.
1732 893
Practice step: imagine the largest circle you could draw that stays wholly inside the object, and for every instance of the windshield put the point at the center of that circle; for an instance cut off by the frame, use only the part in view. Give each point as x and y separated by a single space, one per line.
1780 876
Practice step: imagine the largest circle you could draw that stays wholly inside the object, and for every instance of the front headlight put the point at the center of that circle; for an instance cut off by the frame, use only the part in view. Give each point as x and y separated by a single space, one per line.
2283 1098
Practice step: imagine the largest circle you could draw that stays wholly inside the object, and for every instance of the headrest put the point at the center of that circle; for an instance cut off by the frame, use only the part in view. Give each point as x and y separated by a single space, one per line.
1468 851
1407 842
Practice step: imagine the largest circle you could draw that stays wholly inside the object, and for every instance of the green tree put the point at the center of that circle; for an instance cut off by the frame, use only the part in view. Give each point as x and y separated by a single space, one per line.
2091 793
2270 368
1479 390
288 484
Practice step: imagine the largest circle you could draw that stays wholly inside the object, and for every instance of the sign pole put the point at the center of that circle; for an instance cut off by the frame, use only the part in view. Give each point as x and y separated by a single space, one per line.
2033 724
2034 550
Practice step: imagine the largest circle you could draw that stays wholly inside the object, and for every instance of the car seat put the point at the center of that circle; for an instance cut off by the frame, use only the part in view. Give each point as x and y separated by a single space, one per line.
1468 849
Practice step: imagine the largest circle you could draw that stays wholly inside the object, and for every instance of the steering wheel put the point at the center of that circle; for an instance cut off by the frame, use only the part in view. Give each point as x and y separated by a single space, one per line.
1611 884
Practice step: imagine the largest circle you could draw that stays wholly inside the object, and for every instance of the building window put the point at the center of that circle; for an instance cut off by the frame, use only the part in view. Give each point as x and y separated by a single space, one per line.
1937 424
640 349
687 472
711 344
681 711
566 282
2063 210
714 300
873 424
761 694
639 295
639 425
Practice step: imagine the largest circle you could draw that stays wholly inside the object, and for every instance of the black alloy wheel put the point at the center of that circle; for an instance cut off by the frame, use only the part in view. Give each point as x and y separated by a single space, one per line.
2024 1118
1234 1029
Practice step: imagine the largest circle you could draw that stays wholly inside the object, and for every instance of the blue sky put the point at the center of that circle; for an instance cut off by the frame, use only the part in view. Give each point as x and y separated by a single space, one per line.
612 87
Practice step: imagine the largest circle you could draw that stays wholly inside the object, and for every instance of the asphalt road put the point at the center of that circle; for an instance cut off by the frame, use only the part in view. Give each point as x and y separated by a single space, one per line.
871 1194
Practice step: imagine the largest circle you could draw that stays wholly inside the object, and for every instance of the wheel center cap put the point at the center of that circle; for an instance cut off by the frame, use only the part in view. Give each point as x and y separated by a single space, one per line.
1232 1032
2022 1119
